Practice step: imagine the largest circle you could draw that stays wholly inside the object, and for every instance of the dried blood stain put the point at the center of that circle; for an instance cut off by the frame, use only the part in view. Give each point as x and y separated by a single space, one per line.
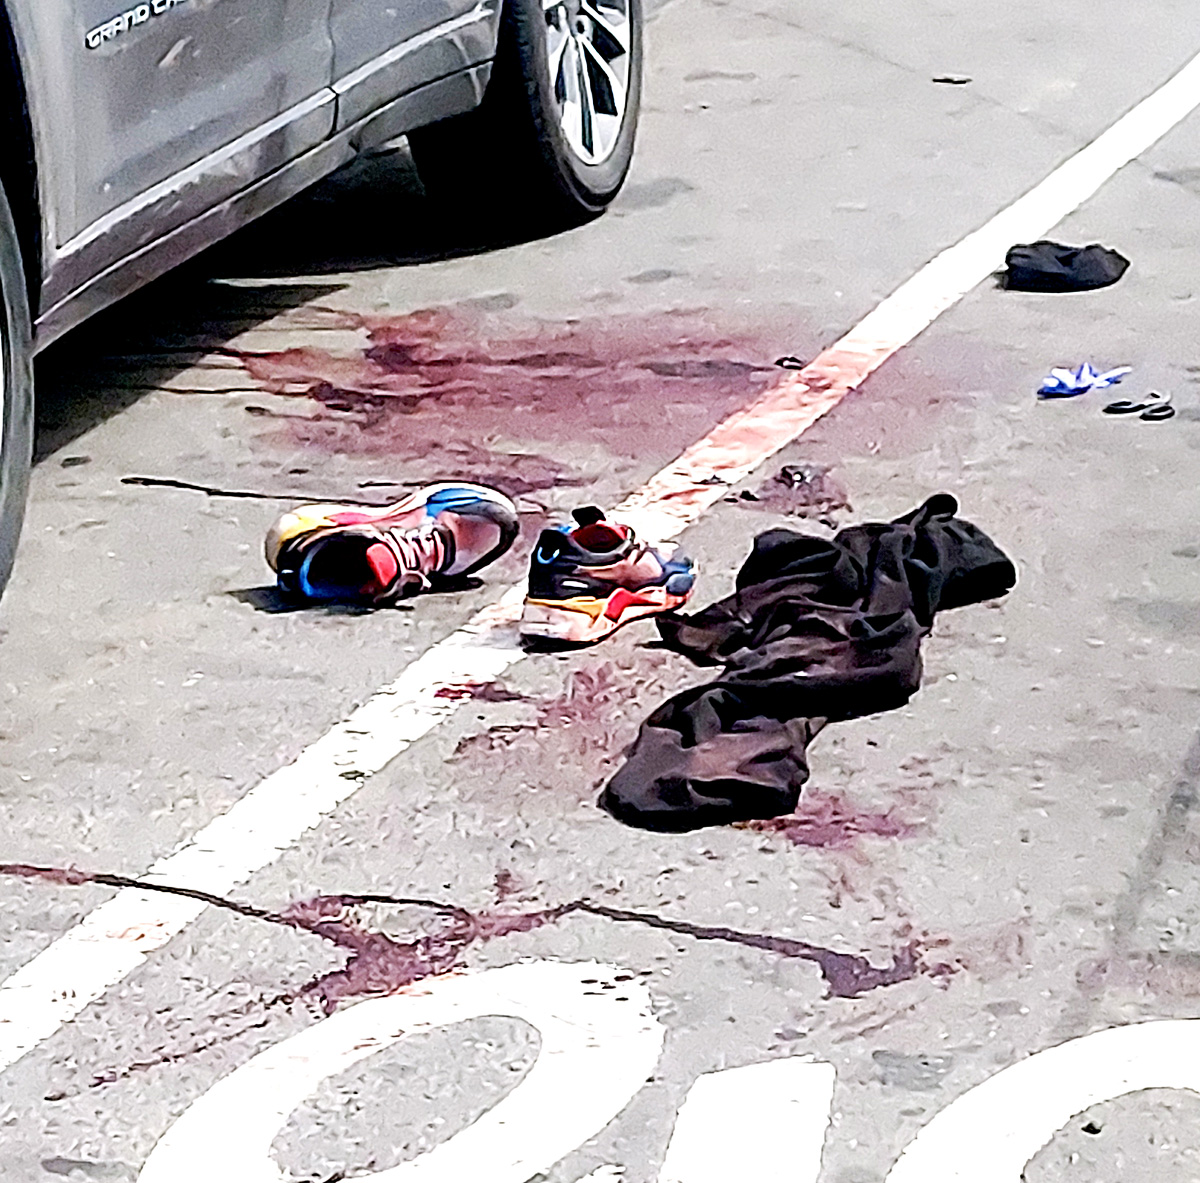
467 392
828 820
585 721
480 692
380 964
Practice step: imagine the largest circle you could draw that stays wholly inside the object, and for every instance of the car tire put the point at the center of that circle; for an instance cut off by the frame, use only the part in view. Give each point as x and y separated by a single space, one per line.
16 394
553 138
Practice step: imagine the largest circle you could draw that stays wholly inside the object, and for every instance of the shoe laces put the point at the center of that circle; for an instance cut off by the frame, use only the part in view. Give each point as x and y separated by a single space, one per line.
421 551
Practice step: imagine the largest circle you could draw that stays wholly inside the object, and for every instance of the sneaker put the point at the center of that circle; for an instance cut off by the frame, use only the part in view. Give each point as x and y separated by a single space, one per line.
584 583
361 555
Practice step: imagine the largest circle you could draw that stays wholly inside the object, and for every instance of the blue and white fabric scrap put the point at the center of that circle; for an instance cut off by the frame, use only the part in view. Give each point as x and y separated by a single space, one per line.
1064 383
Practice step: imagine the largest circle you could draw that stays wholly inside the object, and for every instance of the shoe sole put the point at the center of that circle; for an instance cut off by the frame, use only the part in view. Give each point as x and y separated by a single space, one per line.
584 620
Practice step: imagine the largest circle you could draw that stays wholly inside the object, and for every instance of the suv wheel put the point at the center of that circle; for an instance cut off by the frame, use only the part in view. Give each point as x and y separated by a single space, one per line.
16 391
554 134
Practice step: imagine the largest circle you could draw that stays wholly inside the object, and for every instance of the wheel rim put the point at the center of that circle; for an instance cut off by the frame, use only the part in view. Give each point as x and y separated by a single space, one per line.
587 43
4 347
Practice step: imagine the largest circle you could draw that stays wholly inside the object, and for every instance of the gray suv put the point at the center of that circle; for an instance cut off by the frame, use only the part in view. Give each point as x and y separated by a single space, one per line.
137 132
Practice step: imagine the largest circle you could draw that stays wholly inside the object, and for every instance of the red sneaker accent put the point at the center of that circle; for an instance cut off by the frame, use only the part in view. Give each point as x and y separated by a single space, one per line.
622 599
600 536
353 517
383 563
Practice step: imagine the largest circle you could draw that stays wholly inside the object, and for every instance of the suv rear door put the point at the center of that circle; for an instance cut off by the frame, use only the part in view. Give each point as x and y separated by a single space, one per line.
152 111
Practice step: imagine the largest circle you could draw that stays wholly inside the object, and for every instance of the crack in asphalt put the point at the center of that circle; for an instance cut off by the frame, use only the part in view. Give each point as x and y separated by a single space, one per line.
73 877
847 975
379 964
1169 835
155 482
1127 959
980 98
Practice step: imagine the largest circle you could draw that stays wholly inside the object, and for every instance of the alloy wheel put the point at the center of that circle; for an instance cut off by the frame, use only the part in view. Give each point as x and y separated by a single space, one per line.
587 44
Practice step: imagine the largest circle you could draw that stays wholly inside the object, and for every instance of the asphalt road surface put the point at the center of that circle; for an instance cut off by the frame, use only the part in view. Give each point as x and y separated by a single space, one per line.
1005 867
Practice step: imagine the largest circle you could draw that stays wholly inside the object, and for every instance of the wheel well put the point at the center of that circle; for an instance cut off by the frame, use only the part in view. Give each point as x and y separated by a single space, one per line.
18 161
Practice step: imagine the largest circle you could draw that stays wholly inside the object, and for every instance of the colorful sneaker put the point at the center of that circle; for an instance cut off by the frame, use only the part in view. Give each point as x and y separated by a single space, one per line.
360 555
587 582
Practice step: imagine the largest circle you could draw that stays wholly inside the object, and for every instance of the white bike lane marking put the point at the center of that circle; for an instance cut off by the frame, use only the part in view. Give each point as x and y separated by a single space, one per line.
765 1122
112 941
598 1046
990 1133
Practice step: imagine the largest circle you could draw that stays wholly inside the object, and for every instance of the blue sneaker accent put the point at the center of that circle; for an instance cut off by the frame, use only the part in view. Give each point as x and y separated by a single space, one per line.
679 583
308 590
679 575
321 591
454 500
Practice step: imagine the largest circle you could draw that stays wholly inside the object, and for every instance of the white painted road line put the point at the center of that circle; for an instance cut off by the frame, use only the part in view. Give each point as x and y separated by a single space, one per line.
596 1048
114 940
764 1122
989 1134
